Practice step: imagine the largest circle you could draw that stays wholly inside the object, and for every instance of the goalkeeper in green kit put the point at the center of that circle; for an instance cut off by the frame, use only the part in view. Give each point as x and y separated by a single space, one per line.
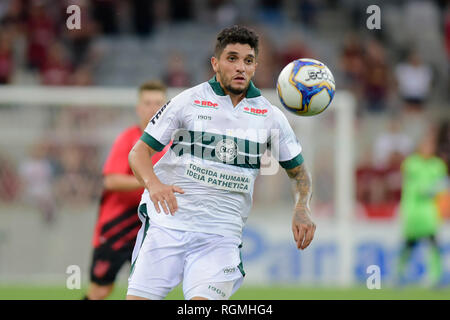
424 176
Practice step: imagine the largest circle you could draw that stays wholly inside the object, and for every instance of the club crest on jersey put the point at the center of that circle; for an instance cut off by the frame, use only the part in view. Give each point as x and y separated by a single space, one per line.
256 112
158 114
226 150
206 104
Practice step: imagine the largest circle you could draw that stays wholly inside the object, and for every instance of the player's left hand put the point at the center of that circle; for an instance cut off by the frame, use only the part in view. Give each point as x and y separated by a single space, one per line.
303 227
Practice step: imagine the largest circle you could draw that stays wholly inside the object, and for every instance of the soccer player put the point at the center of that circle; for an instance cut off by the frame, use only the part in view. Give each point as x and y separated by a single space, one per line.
424 176
198 197
118 222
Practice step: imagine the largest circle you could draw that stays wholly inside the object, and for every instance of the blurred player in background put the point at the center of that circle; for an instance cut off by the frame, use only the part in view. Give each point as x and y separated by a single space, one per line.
118 223
211 166
424 177
443 151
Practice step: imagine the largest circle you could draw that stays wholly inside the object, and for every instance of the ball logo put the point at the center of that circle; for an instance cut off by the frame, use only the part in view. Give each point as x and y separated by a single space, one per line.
226 150
320 74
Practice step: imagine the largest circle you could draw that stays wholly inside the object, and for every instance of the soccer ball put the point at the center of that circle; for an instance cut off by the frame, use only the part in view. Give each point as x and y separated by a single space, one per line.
305 87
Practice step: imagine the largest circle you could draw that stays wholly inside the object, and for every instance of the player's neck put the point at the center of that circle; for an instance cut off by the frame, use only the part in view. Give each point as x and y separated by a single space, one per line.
235 99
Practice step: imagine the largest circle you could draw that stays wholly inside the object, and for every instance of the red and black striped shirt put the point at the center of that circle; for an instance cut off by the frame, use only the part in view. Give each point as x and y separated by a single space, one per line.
118 223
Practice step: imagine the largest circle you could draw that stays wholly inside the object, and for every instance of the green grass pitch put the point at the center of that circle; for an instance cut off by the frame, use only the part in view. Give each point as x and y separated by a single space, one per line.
244 293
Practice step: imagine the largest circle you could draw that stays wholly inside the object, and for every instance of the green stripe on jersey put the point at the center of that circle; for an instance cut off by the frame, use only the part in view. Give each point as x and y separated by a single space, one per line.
152 142
298 160
143 210
241 265
219 148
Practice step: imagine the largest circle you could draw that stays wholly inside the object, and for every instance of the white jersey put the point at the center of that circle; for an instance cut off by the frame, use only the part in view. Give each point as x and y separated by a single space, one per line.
215 155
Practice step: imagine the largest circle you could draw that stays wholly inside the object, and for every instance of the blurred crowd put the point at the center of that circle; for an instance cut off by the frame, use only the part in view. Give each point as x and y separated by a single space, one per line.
34 39
388 76
35 42
61 169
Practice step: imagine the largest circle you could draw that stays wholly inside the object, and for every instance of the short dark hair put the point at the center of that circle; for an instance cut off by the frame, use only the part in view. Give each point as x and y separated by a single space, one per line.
235 34
153 85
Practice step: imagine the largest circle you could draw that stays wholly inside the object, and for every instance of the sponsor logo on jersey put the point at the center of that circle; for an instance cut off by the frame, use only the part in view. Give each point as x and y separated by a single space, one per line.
226 150
158 114
256 112
224 180
206 104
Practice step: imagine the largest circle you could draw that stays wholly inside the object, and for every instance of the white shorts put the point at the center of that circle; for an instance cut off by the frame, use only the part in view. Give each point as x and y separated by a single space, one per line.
209 265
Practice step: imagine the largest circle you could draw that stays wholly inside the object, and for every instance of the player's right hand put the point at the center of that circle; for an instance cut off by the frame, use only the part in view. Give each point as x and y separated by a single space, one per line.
164 195
302 227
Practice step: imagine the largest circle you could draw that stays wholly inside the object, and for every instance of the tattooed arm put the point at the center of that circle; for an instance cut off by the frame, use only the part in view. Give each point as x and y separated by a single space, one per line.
302 226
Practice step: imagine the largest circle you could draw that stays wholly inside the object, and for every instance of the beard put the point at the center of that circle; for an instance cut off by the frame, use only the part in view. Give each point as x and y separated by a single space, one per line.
235 91
229 88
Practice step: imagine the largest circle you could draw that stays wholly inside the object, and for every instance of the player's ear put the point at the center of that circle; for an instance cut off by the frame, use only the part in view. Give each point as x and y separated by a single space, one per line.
214 63
254 70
